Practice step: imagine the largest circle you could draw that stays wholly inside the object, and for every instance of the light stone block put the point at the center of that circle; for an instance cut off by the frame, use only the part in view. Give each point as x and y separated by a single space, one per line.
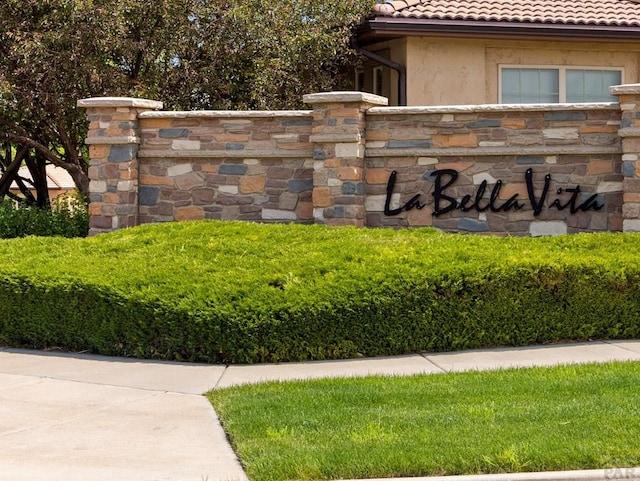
318 165
630 157
447 118
228 189
333 182
375 203
286 137
236 122
561 134
97 186
478 178
376 144
125 185
104 125
180 144
276 214
488 143
551 159
482 216
427 160
318 213
631 225
554 227
179 169
604 187
251 162
347 150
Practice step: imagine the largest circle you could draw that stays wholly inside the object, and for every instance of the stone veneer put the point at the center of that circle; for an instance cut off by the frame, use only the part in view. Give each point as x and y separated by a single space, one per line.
332 164
578 145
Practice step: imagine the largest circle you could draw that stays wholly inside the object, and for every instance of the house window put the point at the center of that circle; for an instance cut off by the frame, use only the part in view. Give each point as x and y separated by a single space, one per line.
557 84
377 80
360 79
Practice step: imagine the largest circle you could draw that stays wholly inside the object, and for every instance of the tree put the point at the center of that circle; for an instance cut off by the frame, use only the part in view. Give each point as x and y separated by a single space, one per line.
192 54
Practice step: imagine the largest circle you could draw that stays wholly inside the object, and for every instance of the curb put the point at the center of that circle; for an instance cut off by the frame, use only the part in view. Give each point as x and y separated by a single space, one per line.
606 474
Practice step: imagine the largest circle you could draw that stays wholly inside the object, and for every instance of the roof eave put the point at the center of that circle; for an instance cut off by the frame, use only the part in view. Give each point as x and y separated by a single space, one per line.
385 28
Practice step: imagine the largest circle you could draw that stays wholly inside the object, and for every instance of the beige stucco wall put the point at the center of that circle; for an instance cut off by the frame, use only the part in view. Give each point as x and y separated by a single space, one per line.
453 71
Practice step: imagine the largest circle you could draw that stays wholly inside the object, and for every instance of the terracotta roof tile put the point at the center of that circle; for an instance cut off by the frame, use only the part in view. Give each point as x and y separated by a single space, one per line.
576 12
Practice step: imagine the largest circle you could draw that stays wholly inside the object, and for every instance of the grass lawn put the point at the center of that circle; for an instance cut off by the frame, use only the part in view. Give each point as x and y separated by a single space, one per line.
535 419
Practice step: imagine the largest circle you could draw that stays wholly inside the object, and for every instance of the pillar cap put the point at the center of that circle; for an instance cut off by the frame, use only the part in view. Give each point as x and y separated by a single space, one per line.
116 102
624 89
344 97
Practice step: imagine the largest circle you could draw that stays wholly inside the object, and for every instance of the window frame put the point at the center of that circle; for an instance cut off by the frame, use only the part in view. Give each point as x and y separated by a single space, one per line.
378 80
359 80
562 76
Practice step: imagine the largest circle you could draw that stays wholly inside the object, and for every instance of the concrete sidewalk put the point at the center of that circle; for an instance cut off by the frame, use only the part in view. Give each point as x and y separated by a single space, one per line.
68 417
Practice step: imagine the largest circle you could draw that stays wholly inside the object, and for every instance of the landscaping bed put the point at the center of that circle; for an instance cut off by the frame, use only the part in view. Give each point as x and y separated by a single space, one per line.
239 292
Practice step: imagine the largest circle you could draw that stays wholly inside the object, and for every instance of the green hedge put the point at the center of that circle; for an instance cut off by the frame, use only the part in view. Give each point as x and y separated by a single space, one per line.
240 292
68 217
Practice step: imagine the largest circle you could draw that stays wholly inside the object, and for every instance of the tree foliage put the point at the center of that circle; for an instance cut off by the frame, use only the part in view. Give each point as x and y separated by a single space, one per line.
191 54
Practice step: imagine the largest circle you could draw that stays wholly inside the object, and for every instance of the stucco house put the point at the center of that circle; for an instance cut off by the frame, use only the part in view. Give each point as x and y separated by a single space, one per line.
450 52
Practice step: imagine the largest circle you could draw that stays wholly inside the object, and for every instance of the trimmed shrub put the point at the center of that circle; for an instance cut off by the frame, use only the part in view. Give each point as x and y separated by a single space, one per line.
240 292
68 217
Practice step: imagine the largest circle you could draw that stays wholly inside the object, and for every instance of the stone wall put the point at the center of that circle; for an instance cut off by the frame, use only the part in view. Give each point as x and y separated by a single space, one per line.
578 147
225 165
350 160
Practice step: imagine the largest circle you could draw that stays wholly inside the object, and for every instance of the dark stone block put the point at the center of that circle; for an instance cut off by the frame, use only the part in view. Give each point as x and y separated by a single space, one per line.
529 159
297 186
148 195
122 153
484 123
232 169
565 116
629 169
472 225
173 133
409 144
353 188
319 155
234 146
297 122
334 212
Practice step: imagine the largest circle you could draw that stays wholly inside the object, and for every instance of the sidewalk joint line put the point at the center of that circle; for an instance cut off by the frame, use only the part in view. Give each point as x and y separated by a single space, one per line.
424 356
226 368
611 343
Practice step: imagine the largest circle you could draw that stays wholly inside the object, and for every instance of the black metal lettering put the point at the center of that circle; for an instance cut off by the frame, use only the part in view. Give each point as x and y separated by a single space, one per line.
537 204
387 203
438 192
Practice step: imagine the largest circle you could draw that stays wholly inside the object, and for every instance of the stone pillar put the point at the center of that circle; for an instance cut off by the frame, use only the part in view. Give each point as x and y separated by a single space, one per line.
113 140
629 99
338 136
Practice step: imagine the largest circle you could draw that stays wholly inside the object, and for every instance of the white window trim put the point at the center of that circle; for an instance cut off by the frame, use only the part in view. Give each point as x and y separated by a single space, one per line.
377 78
562 75
359 80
